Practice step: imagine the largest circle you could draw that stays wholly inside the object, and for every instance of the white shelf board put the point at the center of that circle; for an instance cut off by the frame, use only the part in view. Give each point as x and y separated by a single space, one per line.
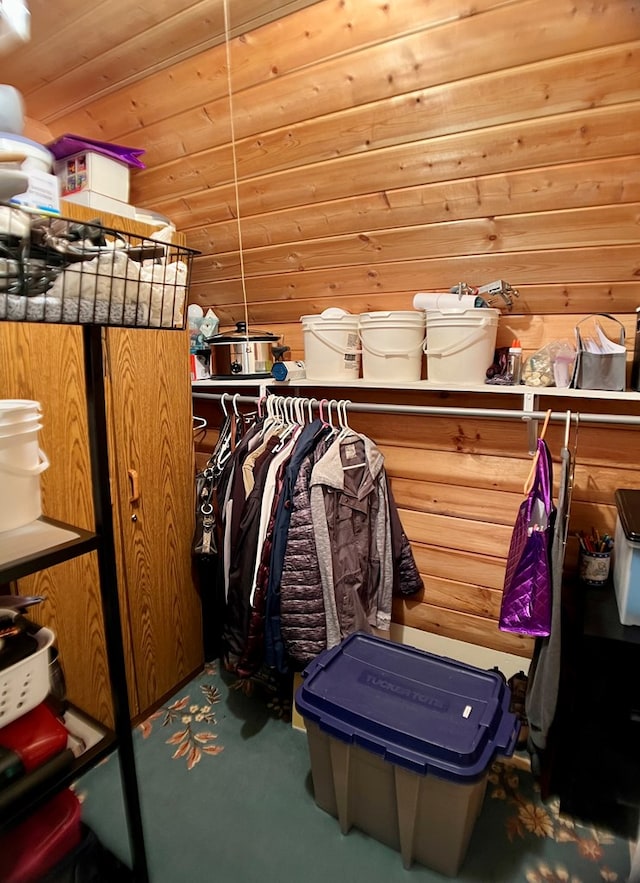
425 386
39 536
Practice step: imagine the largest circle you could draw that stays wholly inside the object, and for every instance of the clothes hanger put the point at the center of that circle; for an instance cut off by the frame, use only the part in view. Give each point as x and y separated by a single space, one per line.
272 419
199 423
330 404
321 403
310 405
528 485
299 406
572 465
567 430
345 429
291 423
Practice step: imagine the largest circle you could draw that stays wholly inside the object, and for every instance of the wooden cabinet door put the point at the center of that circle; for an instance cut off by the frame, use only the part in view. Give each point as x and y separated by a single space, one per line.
152 469
45 363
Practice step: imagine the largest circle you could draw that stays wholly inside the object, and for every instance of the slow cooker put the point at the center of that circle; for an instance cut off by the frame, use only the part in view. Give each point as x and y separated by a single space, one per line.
242 353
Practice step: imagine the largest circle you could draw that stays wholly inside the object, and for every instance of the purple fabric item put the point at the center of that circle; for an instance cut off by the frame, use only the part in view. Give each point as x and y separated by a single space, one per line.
67 145
526 597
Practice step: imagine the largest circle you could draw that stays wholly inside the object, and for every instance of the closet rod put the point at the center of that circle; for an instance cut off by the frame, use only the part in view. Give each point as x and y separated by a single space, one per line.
425 410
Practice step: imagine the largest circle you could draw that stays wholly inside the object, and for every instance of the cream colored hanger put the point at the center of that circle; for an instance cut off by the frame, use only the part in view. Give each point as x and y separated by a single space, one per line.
528 485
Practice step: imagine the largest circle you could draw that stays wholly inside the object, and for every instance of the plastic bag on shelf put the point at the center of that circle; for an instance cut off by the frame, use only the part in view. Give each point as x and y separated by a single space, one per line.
551 365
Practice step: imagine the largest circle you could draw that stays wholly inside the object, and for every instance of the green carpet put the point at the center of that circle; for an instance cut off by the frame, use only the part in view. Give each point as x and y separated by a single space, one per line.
227 796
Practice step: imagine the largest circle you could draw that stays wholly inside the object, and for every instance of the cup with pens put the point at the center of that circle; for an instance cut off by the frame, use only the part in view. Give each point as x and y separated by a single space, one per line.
595 557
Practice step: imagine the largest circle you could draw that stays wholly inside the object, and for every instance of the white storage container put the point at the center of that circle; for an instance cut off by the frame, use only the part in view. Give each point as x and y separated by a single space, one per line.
331 345
460 344
392 345
401 742
90 171
21 463
626 556
25 684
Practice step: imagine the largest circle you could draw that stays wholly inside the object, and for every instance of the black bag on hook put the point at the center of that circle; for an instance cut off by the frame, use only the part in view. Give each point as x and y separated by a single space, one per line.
204 538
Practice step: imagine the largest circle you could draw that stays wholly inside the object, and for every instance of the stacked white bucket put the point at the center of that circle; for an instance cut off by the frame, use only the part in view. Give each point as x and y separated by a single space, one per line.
21 463
461 337
458 338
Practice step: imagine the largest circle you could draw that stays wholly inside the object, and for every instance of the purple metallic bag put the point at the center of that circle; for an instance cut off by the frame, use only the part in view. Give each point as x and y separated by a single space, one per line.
526 596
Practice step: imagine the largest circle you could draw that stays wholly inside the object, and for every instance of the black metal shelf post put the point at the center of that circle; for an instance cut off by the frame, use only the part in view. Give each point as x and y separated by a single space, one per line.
96 409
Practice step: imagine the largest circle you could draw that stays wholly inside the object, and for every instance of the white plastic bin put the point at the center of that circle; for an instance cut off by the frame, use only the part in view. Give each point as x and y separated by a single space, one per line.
460 344
331 345
401 742
392 345
25 684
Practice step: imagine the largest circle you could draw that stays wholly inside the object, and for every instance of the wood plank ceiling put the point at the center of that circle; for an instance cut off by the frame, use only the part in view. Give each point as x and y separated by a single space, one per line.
77 54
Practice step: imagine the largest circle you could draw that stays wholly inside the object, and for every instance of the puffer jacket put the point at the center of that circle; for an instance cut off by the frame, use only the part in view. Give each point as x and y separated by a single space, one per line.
301 598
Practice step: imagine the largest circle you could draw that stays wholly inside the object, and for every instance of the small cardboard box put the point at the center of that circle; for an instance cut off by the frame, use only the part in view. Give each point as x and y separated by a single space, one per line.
93 171
102 203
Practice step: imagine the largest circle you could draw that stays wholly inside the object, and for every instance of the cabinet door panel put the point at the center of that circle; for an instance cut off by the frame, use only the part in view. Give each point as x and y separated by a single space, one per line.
45 363
153 480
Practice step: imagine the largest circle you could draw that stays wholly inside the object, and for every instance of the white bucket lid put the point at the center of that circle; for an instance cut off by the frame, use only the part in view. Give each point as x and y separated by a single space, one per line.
331 315
410 317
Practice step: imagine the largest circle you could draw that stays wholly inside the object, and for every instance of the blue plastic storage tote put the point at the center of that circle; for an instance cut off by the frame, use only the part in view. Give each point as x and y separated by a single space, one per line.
401 742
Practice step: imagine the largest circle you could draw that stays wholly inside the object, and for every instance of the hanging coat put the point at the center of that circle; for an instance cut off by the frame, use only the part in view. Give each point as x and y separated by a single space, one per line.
349 507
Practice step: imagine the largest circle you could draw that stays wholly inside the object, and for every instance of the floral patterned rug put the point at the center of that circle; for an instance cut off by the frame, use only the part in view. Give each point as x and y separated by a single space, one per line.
227 794
527 818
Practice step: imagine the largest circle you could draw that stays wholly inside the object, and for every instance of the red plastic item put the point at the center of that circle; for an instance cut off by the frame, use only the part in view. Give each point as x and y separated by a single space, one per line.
32 848
35 737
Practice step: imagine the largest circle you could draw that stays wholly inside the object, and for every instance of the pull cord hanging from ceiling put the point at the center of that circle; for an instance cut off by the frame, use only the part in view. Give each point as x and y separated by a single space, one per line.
235 167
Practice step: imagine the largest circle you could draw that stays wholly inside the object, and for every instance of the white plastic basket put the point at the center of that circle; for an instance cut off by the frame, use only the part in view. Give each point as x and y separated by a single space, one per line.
25 684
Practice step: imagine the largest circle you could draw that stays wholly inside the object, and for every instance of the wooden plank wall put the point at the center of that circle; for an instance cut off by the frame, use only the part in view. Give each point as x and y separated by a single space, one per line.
384 149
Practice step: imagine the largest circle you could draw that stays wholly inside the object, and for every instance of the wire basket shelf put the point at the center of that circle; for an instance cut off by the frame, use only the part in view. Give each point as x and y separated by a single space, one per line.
56 270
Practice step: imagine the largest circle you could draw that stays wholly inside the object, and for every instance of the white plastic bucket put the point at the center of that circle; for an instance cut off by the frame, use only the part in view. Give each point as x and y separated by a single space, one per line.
460 344
21 464
331 345
392 345
20 447
17 410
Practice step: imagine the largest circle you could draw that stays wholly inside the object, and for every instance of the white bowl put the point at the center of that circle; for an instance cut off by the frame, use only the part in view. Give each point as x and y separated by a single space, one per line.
36 156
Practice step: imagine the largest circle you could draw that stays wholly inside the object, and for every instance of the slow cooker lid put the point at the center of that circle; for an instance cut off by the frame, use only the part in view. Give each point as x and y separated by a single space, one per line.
240 334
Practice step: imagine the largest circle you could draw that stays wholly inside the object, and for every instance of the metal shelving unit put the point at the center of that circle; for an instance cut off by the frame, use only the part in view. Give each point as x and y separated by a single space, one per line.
17 803
61 271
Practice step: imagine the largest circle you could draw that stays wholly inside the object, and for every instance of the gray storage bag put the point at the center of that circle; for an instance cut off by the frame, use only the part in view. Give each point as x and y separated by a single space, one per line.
599 370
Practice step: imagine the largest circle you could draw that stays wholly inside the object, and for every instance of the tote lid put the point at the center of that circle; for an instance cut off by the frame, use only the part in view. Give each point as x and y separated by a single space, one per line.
426 713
